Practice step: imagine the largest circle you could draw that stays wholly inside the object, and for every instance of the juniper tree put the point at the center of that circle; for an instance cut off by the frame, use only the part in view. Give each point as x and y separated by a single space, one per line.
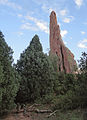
36 72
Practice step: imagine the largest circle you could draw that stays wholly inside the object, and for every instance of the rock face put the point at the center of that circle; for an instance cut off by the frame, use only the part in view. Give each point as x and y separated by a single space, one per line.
58 48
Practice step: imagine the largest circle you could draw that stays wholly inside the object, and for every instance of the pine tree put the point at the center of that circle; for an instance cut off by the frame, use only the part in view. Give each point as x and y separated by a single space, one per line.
36 72
9 79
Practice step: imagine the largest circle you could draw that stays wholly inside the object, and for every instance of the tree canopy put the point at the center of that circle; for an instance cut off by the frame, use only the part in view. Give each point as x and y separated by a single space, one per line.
9 78
35 70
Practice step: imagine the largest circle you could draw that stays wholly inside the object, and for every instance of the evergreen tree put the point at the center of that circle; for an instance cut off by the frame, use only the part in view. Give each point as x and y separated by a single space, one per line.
36 72
83 62
1 82
9 79
82 80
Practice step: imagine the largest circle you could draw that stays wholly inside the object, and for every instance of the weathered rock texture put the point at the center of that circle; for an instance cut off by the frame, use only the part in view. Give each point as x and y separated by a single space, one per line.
66 60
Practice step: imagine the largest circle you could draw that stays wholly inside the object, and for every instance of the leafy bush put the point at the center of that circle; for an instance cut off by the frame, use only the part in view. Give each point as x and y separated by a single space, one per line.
74 92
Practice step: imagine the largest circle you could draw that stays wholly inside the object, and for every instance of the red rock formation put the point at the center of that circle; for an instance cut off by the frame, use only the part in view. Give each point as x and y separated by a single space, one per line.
57 46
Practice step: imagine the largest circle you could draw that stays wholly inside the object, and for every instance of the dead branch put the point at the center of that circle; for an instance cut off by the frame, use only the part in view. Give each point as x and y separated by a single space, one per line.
43 111
53 113
33 105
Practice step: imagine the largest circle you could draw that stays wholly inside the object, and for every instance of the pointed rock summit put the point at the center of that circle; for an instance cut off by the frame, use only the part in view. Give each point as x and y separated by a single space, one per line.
66 62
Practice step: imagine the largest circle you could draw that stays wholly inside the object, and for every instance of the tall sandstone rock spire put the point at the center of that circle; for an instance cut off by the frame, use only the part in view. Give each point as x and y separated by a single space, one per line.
66 61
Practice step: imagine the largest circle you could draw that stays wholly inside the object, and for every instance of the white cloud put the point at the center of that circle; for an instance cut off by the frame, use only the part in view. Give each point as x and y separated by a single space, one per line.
84 41
40 24
10 4
66 20
63 12
82 44
25 26
65 42
28 26
31 18
63 33
20 15
48 9
78 2
82 32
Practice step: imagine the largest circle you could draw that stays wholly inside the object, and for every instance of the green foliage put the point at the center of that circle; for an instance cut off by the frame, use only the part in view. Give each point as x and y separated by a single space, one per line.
66 101
8 77
64 91
81 89
54 60
83 62
55 63
69 115
36 71
40 79
71 92
64 83
1 82
5 51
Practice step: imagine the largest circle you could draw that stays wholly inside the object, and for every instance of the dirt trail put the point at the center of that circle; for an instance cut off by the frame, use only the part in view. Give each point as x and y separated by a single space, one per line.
17 116
29 115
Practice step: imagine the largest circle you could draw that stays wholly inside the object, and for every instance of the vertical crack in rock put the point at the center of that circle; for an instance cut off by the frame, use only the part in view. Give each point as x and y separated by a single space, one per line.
62 59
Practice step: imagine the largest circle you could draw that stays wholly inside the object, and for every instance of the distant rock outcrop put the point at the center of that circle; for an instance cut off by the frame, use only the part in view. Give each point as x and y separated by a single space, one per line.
66 61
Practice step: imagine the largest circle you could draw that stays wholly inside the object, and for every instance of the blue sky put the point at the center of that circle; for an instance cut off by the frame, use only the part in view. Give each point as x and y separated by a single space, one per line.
20 20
